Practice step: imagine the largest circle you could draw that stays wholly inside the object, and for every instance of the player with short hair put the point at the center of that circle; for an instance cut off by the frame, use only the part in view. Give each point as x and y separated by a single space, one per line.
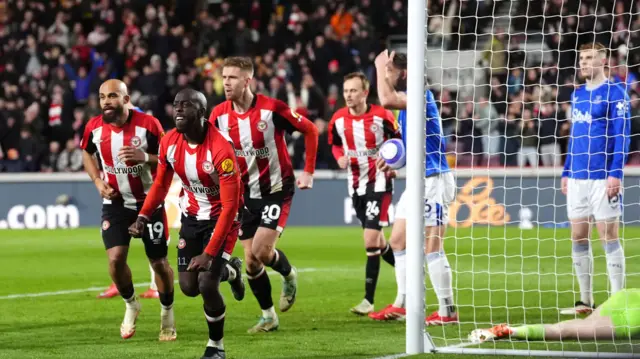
593 171
356 133
439 193
126 144
617 318
152 292
256 125
203 159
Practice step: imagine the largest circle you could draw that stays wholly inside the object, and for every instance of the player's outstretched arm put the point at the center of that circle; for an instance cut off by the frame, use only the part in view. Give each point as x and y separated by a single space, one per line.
387 94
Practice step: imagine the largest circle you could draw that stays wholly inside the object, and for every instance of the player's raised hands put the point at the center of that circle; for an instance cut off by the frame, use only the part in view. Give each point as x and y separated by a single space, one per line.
137 228
382 59
613 186
105 190
200 263
128 153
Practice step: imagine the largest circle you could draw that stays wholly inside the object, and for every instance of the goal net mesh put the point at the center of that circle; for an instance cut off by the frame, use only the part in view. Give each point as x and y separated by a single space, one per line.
503 73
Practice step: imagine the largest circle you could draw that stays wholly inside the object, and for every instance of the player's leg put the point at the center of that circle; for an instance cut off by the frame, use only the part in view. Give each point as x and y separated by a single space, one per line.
155 244
274 215
152 292
256 272
363 207
372 210
386 253
214 308
110 292
396 310
579 212
440 192
209 288
607 212
116 238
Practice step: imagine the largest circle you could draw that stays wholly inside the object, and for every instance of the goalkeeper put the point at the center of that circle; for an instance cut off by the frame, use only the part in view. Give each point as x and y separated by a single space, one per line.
593 171
617 318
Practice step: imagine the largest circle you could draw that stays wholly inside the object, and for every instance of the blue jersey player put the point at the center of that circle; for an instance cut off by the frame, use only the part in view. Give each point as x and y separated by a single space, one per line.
439 193
592 176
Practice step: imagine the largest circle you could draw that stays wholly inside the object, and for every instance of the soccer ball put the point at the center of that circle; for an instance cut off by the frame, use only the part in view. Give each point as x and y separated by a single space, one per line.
393 153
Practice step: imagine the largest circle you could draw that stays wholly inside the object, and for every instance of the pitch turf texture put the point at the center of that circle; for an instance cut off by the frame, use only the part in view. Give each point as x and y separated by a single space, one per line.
500 274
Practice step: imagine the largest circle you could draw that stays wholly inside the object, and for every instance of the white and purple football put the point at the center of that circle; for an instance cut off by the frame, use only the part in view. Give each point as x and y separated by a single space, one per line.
393 153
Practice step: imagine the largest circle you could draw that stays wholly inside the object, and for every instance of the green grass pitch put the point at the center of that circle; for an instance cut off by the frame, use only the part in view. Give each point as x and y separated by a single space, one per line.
500 274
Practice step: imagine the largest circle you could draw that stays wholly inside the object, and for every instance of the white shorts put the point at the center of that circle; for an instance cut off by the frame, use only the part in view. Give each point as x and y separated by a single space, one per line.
586 198
440 191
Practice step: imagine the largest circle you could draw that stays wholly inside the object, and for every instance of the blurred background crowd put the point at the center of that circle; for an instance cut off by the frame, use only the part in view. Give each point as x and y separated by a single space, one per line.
55 54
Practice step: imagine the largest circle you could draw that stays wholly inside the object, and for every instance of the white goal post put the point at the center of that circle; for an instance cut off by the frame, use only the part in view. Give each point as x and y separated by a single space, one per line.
543 280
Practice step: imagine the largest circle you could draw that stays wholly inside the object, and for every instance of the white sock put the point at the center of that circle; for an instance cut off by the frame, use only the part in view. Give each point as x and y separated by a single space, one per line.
269 313
440 275
583 266
615 264
153 285
216 344
131 301
401 277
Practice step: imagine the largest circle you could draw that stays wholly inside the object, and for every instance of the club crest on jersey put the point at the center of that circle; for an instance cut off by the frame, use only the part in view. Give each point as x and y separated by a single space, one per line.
622 108
105 225
262 125
136 141
182 243
207 166
374 127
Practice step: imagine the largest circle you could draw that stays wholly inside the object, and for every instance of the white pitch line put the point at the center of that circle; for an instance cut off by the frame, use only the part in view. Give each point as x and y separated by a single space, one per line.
393 356
97 289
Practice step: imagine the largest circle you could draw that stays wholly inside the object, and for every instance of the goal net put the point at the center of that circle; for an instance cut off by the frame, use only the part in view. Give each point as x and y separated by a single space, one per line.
503 74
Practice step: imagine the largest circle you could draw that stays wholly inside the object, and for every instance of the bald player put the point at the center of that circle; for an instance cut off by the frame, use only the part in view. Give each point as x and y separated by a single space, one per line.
152 292
126 142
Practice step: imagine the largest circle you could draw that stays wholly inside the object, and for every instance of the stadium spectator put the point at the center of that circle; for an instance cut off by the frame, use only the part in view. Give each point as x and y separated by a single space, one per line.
50 162
56 53
529 141
70 160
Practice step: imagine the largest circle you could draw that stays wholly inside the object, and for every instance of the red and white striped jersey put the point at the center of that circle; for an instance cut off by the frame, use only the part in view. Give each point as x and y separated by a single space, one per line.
131 179
258 137
359 138
203 169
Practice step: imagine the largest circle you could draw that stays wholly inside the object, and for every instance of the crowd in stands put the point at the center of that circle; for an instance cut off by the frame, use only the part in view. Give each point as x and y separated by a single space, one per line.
523 117
55 54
